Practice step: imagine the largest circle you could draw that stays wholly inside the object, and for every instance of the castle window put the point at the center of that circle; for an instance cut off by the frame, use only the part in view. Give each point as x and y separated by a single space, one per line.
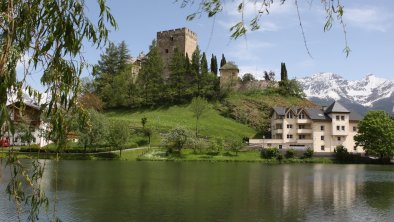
322 128
337 117
354 129
338 128
166 50
322 148
339 138
321 137
343 128
342 117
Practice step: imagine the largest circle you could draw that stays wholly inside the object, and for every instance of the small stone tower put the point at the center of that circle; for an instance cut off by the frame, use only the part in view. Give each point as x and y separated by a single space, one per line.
229 76
183 39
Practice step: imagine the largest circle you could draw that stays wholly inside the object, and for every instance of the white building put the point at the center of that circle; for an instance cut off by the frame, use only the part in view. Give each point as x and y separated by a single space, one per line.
321 129
29 116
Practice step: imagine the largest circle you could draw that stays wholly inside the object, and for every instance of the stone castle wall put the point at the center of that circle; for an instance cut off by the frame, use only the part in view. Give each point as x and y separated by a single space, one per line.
182 39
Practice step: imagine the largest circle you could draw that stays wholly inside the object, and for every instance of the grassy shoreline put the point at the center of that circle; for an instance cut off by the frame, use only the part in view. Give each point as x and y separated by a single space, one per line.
187 155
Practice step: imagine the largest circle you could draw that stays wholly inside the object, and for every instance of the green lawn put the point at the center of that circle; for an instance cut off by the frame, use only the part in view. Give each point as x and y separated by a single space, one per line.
211 125
243 156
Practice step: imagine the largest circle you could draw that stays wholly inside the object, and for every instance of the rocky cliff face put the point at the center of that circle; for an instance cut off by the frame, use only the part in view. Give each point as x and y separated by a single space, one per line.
371 92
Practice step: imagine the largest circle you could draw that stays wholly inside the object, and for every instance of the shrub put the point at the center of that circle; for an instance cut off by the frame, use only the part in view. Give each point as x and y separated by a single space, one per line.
269 153
308 152
175 139
280 157
290 153
341 153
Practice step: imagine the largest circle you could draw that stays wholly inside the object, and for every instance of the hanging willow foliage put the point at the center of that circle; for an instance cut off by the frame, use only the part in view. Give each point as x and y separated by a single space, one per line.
47 36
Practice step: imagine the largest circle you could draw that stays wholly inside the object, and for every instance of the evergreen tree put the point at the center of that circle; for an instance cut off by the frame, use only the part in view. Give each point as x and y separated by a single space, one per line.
207 79
108 62
177 81
214 65
283 72
124 55
195 72
150 80
204 64
223 61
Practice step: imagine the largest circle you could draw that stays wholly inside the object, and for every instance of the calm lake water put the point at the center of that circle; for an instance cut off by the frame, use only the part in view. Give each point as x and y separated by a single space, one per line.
201 191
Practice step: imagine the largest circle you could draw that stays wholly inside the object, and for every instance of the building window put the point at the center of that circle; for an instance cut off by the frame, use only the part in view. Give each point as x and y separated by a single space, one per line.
302 116
301 126
339 138
289 126
289 136
322 148
338 127
301 137
343 128
321 137
322 128
289 115
355 148
342 117
280 146
354 129
15 139
337 117
166 50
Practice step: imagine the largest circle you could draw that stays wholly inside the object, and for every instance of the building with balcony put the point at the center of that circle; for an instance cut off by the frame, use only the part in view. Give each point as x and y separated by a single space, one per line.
319 128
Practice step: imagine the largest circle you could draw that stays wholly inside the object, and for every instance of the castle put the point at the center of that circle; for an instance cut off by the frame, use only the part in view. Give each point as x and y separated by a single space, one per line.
183 40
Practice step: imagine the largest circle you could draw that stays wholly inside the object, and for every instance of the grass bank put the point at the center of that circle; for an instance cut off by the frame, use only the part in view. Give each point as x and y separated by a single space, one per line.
243 156
211 125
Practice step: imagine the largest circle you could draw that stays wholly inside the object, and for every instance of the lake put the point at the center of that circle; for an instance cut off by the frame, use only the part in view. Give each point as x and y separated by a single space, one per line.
203 191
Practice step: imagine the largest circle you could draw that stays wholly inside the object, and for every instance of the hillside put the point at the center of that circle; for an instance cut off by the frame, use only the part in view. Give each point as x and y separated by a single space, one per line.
253 108
211 125
239 115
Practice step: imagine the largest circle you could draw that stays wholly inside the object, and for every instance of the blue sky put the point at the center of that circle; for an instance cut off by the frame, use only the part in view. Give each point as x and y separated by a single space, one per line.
369 24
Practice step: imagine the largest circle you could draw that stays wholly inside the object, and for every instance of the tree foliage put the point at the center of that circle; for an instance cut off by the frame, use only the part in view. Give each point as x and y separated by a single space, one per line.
376 134
198 106
175 139
118 135
333 10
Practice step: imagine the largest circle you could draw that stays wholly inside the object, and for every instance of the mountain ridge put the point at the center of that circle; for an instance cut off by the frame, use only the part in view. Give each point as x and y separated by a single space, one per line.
370 92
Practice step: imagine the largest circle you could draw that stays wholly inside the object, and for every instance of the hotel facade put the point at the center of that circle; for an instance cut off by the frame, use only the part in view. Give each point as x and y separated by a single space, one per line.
321 129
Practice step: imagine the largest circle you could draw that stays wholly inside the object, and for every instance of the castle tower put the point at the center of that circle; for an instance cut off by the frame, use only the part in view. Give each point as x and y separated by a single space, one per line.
183 39
228 76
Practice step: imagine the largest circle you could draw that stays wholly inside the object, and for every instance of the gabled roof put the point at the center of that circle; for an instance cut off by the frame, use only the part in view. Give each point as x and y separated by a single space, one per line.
280 110
336 107
316 114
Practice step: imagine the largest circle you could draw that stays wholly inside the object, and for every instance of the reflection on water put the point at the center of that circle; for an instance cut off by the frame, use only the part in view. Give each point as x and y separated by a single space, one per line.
161 191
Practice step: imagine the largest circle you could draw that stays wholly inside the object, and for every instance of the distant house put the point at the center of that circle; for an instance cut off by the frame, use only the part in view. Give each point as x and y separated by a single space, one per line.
321 129
30 116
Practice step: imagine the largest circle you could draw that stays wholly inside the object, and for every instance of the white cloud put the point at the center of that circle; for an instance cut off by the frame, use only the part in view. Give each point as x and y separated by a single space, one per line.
368 18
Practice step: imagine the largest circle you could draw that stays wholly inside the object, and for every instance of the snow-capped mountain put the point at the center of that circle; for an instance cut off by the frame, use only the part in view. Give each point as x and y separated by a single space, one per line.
371 92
